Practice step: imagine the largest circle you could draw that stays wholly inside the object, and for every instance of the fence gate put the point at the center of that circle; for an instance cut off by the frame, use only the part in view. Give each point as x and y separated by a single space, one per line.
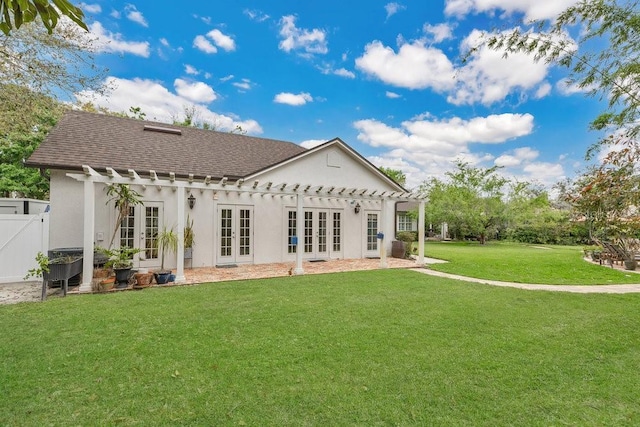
21 238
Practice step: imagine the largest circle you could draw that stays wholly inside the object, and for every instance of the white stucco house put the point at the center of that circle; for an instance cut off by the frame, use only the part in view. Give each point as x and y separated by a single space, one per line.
250 198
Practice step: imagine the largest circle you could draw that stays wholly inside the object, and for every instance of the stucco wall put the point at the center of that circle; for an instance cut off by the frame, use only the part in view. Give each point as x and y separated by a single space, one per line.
331 167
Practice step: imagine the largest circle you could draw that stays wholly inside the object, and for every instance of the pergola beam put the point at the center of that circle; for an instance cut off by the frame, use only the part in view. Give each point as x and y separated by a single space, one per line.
281 189
90 177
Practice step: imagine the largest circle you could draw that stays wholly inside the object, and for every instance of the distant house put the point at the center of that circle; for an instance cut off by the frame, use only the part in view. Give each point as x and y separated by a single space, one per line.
406 219
252 200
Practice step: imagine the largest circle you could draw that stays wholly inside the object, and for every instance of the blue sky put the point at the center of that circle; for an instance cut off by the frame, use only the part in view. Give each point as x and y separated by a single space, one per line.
385 77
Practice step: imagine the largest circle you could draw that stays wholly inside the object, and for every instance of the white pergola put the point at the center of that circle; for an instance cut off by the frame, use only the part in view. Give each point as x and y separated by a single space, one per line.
90 178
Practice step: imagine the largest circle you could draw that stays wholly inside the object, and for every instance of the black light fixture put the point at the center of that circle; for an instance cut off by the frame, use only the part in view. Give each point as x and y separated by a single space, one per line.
356 209
192 201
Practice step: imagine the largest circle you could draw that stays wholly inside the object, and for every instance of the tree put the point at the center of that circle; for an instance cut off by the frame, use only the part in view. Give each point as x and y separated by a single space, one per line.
604 60
606 198
395 174
25 119
469 201
531 217
58 64
25 11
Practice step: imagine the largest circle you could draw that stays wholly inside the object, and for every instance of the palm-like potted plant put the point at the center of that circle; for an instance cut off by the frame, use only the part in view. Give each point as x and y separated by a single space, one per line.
167 241
188 239
123 198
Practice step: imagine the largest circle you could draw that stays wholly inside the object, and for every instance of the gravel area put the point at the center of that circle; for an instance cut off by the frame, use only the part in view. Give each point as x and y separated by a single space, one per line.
12 293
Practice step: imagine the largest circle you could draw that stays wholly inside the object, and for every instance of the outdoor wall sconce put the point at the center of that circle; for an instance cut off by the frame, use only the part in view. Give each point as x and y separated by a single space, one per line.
356 209
192 201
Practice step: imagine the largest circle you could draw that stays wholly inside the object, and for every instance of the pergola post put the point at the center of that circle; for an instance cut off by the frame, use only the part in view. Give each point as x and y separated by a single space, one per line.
180 252
421 233
299 233
383 246
88 230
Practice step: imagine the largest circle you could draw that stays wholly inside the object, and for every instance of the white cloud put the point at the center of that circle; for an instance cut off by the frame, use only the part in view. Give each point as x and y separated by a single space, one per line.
227 78
191 70
292 98
488 77
222 40
439 32
393 8
392 95
159 103
415 66
343 72
310 143
90 8
567 88
431 145
543 90
256 15
135 15
243 85
412 173
518 157
205 19
107 41
197 92
164 42
544 172
294 38
115 14
201 43
532 9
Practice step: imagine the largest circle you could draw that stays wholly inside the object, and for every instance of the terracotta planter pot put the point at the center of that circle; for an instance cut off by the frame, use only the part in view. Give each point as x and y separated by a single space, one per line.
107 284
143 279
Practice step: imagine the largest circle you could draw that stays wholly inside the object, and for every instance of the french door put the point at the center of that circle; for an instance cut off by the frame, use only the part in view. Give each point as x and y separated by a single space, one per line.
372 222
140 229
322 233
235 234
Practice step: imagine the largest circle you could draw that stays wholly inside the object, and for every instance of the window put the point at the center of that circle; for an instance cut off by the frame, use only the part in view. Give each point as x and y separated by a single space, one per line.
291 232
372 232
127 229
336 231
405 222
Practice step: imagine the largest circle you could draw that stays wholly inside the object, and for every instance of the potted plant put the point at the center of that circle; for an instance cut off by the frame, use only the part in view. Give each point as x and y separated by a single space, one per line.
188 239
167 241
120 259
123 198
60 268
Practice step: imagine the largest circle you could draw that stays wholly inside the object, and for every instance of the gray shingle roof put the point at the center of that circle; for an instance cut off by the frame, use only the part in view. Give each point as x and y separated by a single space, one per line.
102 141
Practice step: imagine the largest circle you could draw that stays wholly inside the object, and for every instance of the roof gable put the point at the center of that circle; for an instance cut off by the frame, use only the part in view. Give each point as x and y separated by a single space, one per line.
336 163
102 141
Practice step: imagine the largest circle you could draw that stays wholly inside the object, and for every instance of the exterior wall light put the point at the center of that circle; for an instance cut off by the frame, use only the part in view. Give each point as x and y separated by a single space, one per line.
356 209
192 201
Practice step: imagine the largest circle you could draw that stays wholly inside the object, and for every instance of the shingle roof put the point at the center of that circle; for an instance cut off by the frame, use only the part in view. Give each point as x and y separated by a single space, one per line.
102 141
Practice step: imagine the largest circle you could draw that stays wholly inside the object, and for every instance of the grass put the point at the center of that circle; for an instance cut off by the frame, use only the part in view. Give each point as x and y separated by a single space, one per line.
513 262
368 348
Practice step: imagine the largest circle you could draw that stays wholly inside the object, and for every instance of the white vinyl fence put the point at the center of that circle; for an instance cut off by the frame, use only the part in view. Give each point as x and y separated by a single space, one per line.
21 238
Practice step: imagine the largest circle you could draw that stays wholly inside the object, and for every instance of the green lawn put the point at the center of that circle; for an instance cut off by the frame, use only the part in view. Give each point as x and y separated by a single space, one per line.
390 347
513 262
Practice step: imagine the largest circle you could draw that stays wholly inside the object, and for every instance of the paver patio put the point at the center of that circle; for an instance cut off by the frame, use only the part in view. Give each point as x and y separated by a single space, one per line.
262 271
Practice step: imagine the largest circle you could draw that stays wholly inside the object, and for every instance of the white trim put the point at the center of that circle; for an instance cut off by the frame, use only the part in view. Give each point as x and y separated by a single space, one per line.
91 177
